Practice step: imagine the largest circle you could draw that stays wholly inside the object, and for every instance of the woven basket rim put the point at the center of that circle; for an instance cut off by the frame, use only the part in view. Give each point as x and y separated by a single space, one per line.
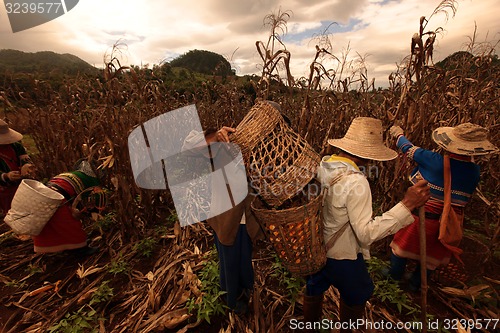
27 185
257 123
285 210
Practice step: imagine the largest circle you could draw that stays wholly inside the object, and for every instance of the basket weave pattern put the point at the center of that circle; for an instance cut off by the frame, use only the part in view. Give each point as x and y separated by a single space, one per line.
296 235
282 165
258 123
475 255
32 207
279 162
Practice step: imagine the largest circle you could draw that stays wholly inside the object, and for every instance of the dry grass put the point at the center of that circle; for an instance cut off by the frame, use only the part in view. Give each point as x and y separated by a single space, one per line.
101 114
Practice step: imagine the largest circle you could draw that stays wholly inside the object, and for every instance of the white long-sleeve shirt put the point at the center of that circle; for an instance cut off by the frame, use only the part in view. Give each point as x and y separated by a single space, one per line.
350 199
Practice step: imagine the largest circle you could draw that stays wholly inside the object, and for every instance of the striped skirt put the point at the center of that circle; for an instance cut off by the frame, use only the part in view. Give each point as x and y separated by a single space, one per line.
406 243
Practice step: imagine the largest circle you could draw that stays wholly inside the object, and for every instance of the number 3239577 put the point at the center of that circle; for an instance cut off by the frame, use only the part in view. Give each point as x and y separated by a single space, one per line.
455 324
33 7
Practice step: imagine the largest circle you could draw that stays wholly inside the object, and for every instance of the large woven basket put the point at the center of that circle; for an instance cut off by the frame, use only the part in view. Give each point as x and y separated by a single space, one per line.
32 207
258 123
475 255
279 162
296 234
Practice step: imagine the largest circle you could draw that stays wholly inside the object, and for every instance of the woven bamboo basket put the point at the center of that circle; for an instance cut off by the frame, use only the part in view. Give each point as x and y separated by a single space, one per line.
32 207
296 234
279 162
475 255
258 123
281 166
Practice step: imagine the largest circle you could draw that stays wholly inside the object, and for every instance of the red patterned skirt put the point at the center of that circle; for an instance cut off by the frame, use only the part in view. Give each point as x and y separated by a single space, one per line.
406 243
62 232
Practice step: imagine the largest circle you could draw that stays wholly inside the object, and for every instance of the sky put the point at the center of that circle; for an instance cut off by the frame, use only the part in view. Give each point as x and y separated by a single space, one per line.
154 31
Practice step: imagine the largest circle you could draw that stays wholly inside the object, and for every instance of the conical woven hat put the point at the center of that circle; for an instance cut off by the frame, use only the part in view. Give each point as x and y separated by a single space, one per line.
464 139
364 139
8 135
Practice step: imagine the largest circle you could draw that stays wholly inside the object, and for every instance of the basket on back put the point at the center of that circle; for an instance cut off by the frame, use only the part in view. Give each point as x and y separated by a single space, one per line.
32 207
475 256
279 162
258 123
296 233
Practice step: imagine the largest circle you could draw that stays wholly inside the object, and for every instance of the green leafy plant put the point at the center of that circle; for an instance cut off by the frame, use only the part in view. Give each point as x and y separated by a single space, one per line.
388 290
172 218
81 321
293 285
103 294
34 269
15 284
119 265
85 319
146 247
210 303
107 221
161 230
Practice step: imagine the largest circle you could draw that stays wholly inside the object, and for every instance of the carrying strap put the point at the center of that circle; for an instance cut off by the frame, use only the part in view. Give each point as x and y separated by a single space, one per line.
336 235
450 228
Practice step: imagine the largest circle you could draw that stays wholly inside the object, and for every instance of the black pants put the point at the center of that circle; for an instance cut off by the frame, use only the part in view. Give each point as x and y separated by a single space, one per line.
236 271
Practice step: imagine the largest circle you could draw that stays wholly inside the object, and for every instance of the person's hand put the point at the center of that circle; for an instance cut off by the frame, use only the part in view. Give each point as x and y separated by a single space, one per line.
13 176
396 131
77 214
28 170
417 195
223 134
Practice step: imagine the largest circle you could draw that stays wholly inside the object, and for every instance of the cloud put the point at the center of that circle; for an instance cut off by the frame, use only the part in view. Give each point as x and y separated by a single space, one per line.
385 29
155 30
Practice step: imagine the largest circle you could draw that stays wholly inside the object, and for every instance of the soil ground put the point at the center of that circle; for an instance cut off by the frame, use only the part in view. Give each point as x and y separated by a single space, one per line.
22 271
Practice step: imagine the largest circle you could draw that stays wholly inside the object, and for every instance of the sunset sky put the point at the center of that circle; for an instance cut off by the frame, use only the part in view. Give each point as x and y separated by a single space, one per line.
160 30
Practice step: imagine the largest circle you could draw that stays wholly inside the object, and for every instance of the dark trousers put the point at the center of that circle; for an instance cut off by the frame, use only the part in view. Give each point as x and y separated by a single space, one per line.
235 266
350 277
398 266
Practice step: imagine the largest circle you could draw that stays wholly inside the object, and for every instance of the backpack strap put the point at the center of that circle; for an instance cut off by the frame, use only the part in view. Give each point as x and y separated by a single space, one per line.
450 224
335 236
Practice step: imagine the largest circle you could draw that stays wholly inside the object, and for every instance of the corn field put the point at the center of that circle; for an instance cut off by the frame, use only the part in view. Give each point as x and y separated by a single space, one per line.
151 295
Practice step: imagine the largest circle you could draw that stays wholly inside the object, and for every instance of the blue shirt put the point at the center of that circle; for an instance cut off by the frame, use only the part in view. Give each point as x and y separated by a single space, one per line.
464 173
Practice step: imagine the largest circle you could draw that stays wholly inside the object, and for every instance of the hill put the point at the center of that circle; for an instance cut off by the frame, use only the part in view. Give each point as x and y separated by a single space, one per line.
458 59
43 63
204 62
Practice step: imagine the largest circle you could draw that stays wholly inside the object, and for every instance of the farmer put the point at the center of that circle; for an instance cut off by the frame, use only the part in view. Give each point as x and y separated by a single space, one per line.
235 230
14 164
64 230
349 224
461 144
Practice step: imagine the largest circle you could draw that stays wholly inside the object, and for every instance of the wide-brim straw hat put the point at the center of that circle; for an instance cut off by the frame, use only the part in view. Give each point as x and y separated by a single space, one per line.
364 139
8 135
464 139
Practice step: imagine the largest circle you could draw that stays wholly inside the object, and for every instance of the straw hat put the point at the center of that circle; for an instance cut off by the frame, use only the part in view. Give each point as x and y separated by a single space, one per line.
364 139
8 135
464 139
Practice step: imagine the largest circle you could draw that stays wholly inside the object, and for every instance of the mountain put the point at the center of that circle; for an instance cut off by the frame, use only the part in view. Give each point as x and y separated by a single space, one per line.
43 62
459 59
455 60
204 62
